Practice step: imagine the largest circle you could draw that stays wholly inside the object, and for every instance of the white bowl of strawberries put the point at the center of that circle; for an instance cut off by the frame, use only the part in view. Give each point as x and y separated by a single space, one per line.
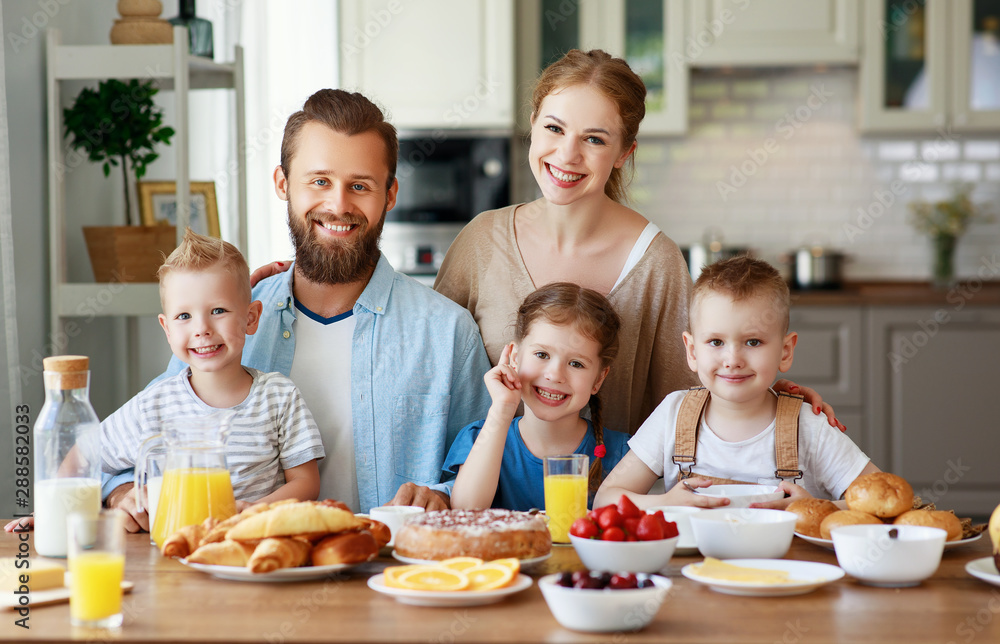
623 538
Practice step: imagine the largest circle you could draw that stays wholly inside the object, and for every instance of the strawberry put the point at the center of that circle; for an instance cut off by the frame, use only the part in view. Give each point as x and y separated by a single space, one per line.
592 514
631 524
584 528
614 533
609 518
669 527
650 529
627 508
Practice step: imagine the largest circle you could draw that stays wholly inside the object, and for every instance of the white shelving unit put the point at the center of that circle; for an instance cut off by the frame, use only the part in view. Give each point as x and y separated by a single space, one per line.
174 69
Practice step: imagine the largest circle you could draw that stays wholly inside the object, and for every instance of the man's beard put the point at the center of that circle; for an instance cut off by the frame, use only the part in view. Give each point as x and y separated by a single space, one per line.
335 261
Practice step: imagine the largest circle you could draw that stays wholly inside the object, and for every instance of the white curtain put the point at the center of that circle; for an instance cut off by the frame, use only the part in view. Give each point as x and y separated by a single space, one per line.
290 51
10 384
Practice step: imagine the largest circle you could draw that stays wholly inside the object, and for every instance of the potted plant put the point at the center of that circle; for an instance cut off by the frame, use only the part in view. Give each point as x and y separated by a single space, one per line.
945 222
119 125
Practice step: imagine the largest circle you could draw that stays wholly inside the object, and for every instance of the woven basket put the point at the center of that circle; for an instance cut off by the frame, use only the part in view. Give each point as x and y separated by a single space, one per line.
128 253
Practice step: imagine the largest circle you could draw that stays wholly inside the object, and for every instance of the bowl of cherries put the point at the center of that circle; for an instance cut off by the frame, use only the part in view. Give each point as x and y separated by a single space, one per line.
623 538
602 601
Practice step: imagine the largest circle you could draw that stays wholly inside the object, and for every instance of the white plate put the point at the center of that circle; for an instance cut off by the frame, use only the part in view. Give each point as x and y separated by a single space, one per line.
410 560
240 573
806 576
452 598
984 569
828 543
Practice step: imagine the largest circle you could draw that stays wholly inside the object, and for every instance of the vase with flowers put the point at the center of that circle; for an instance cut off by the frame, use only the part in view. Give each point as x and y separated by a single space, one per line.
946 221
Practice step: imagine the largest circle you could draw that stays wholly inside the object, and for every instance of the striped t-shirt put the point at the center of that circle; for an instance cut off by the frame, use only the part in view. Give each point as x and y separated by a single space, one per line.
271 431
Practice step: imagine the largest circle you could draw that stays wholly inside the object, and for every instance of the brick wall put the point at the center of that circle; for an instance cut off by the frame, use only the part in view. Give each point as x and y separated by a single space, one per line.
774 160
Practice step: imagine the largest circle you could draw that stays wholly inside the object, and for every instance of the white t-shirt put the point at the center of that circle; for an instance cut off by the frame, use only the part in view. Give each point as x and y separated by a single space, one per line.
323 375
271 432
830 460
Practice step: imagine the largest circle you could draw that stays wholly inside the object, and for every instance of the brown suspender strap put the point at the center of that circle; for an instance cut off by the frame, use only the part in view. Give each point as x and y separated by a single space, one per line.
786 437
686 428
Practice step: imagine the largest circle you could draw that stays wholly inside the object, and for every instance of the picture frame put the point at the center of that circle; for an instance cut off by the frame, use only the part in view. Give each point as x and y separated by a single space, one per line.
158 205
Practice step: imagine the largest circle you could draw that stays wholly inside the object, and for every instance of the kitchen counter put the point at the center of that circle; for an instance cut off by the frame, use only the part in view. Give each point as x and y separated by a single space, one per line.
967 292
172 603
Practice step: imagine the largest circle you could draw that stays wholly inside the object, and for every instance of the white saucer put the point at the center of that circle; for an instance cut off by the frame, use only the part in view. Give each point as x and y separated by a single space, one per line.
984 569
451 598
806 576
410 560
828 543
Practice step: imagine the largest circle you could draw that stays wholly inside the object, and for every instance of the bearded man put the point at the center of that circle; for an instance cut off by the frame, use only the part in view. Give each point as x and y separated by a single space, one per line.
390 369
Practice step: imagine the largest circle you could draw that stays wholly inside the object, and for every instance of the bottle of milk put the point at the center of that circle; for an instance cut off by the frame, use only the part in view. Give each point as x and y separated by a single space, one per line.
67 452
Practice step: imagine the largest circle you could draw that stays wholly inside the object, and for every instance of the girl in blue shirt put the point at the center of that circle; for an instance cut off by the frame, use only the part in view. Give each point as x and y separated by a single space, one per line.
565 339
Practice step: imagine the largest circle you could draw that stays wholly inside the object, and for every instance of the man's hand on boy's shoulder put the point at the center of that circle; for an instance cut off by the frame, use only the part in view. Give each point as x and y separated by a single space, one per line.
123 498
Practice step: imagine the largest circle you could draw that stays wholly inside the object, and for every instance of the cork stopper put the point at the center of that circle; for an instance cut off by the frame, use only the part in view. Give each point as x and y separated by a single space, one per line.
73 370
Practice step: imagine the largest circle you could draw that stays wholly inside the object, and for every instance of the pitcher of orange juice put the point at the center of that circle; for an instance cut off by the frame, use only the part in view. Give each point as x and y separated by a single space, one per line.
196 483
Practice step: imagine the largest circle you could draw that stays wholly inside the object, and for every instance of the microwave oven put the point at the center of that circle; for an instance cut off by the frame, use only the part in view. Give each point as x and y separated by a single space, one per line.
445 179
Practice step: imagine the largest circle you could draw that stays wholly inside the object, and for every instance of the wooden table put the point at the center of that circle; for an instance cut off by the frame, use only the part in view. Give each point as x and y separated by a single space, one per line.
171 603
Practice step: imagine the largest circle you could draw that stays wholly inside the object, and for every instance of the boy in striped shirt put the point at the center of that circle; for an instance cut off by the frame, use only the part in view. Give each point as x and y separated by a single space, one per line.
274 443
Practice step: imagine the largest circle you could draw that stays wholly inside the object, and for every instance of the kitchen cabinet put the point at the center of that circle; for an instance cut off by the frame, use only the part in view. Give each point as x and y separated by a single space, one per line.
771 32
930 65
444 64
915 386
648 34
172 68
828 357
932 399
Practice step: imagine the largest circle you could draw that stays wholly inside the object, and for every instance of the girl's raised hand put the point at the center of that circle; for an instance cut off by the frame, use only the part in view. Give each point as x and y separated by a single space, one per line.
502 381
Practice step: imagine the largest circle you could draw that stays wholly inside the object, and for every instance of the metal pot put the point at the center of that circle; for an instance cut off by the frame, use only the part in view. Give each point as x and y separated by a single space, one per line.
698 256
816 267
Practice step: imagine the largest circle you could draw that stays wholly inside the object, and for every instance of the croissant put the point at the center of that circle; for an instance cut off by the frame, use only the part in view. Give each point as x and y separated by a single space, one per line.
187 539
279 552
306 519
378 530
345 548
218 533
222 553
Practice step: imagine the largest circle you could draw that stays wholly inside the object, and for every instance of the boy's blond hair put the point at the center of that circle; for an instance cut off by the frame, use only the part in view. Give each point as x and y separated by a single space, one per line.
743 278
199 253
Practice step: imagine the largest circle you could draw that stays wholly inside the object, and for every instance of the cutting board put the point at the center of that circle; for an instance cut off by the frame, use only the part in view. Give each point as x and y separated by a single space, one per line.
9 601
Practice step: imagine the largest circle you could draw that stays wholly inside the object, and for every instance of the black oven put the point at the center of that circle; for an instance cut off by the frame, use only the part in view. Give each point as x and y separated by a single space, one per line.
445 179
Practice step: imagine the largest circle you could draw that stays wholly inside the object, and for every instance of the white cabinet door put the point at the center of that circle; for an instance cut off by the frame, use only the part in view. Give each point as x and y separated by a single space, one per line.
975 77
433 63
771 32
646 33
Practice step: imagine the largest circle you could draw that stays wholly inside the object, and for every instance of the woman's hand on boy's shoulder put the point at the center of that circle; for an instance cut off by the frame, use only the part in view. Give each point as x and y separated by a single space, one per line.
812 397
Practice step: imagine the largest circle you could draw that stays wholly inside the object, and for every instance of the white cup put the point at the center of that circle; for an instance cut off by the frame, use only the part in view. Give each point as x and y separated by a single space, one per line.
681 515
393 516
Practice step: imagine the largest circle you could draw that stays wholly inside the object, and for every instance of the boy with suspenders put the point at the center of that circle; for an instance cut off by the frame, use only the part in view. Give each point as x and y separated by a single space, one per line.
734 428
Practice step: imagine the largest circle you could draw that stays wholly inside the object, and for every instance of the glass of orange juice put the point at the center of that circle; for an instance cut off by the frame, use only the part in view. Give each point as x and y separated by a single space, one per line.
96 559
565 492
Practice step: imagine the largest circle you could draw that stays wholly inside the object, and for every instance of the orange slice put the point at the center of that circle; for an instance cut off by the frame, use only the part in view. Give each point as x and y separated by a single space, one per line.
511 562
489 576
392 573
435 578
461 563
